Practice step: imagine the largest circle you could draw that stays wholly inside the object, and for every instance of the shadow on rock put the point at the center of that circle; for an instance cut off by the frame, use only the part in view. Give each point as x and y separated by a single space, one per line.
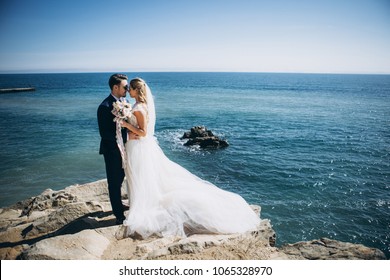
88 221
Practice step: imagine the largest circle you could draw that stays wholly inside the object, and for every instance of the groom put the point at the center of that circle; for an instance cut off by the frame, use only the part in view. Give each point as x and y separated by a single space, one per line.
108 147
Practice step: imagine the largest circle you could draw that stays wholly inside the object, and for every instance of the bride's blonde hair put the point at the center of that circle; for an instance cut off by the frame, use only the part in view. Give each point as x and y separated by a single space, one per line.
139 85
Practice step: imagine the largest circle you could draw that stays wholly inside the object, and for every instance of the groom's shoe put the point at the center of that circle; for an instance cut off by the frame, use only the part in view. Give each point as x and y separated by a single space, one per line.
119 221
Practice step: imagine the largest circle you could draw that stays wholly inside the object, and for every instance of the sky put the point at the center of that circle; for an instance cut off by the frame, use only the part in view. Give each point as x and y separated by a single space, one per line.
327 36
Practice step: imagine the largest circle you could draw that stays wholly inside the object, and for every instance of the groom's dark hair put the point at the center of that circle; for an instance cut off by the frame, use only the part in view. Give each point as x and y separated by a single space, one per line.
116 79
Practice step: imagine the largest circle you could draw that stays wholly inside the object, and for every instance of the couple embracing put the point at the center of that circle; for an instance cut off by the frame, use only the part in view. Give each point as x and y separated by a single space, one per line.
165 199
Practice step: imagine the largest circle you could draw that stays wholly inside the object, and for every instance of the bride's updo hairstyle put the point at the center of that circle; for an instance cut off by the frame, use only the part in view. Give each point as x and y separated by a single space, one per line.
139 85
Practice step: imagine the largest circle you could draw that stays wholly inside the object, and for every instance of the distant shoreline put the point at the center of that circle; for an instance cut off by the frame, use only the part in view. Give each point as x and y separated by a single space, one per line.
15 90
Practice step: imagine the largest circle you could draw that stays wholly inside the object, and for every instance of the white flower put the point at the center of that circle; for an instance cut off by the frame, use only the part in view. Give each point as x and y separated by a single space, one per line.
126 111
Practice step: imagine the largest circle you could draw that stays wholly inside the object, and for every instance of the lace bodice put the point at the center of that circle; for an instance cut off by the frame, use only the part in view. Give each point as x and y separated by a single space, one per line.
141 107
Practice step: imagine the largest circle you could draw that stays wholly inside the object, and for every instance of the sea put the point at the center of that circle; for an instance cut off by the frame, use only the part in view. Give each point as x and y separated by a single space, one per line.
313 150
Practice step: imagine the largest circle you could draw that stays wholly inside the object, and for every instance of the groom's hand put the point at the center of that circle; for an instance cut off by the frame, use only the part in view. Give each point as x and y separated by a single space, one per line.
133 136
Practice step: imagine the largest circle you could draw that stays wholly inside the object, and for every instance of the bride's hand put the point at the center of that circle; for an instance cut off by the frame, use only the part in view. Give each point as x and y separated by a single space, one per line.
124 124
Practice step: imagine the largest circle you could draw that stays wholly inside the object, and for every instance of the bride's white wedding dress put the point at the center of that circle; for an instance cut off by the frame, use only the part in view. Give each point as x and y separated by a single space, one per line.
166 199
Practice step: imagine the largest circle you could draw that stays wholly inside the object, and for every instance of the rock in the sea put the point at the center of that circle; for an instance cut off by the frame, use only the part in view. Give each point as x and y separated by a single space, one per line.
204 138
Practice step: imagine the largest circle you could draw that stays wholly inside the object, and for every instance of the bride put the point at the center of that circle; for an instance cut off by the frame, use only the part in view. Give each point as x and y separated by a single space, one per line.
165 198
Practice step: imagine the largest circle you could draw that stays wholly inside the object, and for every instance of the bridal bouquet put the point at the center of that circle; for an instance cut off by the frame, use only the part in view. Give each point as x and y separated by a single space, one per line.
122 112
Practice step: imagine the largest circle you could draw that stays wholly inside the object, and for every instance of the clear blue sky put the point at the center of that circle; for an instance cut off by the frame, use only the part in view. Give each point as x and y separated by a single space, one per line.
328 36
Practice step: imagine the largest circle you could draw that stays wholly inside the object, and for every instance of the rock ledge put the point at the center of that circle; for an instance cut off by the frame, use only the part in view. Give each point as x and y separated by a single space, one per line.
77 224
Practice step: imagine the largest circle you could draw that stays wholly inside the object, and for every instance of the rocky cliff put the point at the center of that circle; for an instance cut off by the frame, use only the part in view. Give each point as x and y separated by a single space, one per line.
77 223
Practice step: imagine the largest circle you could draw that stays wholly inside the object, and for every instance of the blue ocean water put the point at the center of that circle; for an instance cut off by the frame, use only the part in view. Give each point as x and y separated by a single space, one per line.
312 149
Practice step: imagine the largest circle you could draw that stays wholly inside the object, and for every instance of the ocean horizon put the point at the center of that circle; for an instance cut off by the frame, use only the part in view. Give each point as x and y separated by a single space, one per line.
313 150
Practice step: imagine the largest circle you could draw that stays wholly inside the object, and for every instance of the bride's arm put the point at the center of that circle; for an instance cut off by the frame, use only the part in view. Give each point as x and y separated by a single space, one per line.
141 129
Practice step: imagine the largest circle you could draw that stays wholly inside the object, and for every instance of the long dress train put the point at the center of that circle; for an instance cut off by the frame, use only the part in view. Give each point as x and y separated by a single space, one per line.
166 199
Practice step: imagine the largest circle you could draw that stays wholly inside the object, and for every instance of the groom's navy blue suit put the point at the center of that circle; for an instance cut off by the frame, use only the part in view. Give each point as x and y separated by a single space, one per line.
111 153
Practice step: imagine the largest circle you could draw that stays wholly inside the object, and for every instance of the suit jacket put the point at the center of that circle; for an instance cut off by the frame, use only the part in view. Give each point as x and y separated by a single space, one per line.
107 126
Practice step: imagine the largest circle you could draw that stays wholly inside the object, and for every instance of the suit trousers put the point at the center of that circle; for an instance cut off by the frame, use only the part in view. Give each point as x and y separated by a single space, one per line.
115 176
